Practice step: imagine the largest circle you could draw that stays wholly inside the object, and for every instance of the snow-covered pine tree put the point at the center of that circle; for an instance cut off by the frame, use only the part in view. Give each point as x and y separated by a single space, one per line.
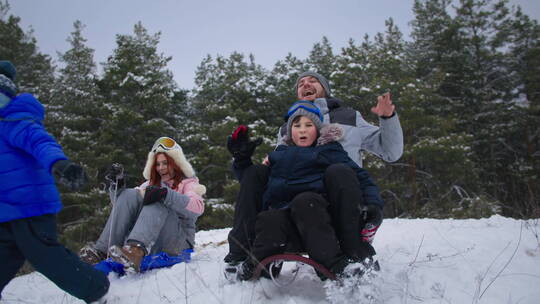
488 103
433 138
76 114
321 58
35 72
76 105
228 92
520 173
142 101
280 88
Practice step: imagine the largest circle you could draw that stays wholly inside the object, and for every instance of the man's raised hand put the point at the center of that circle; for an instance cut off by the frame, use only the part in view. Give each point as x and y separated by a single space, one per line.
384 107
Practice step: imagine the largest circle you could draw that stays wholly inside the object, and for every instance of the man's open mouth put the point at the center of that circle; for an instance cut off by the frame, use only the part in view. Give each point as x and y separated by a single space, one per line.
308 92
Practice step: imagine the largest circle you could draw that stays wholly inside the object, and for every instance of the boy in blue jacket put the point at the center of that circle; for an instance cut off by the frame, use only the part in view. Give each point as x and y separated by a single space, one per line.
29 200
305 209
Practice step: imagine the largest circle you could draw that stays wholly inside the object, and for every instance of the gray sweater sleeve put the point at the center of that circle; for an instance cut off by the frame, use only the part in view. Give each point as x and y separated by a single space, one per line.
385 141
177 202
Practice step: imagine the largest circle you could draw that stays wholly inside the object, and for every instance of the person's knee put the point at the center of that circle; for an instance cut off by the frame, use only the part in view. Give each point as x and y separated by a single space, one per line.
307 201
129 196
156 209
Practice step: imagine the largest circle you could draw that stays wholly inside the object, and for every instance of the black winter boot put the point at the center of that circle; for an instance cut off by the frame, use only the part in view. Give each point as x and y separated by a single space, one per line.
246 269
234 259
348 268
232 263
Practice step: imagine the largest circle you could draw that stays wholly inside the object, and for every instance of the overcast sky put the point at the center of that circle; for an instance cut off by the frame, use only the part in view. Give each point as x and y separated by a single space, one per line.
192 29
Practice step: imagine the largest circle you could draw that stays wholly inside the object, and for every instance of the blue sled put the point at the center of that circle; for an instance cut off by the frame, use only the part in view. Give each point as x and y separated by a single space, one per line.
149 262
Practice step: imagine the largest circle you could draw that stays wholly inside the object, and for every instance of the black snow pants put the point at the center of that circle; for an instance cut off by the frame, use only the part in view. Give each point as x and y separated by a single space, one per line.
35 239
343 199
346 200
304 226
248 205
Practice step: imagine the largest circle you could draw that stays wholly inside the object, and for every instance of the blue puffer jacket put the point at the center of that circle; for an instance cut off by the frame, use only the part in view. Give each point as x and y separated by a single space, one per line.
27 153
299 169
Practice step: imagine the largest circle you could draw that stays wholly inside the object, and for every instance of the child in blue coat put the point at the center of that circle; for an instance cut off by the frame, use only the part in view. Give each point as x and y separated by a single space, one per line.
307 206
29 200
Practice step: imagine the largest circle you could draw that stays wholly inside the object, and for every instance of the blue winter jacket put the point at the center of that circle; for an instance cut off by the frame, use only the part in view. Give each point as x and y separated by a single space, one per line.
27 153
294 170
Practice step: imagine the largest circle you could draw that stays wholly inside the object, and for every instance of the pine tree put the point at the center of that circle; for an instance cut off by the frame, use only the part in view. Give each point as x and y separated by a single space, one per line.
280 86
519 172
321 58
35 72
383 64
228 92
75 102
142 99
489 98
76 118
467 62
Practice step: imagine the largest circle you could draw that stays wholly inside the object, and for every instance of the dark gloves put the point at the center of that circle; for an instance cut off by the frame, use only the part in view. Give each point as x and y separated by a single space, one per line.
154 194
239 144
372 218
115 174
69 174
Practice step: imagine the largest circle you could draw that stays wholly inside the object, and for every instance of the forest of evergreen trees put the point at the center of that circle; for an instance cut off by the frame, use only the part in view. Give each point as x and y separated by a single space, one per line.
466 85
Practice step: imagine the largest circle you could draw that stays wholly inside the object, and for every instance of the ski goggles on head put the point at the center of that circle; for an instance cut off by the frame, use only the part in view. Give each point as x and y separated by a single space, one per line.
166 143
306 105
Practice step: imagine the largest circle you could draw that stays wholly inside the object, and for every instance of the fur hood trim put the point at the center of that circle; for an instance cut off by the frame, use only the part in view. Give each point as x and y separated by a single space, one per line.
330 133
176 154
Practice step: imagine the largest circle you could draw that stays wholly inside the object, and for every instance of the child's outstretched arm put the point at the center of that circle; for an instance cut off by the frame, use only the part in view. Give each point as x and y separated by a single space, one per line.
33 139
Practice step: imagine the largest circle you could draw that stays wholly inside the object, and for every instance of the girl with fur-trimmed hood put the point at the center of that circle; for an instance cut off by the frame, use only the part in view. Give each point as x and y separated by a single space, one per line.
159 215
308 208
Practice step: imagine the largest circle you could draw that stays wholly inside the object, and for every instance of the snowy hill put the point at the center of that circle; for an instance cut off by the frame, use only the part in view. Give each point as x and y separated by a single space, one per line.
495 260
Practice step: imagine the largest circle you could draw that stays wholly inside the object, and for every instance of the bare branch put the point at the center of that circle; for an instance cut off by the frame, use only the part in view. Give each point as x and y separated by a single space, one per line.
418 251
407 165
505 265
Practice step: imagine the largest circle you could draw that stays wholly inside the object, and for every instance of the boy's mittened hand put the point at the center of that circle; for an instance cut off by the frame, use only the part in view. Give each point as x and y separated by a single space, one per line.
69 174
154 194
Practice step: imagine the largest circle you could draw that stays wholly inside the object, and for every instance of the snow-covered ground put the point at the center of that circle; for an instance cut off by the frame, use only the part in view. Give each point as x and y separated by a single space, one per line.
495 260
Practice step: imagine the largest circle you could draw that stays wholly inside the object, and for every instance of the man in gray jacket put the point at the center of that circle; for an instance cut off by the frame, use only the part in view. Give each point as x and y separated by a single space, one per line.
385 141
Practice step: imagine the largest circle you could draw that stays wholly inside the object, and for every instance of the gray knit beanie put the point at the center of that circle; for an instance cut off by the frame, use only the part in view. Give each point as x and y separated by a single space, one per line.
303 108
324 82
